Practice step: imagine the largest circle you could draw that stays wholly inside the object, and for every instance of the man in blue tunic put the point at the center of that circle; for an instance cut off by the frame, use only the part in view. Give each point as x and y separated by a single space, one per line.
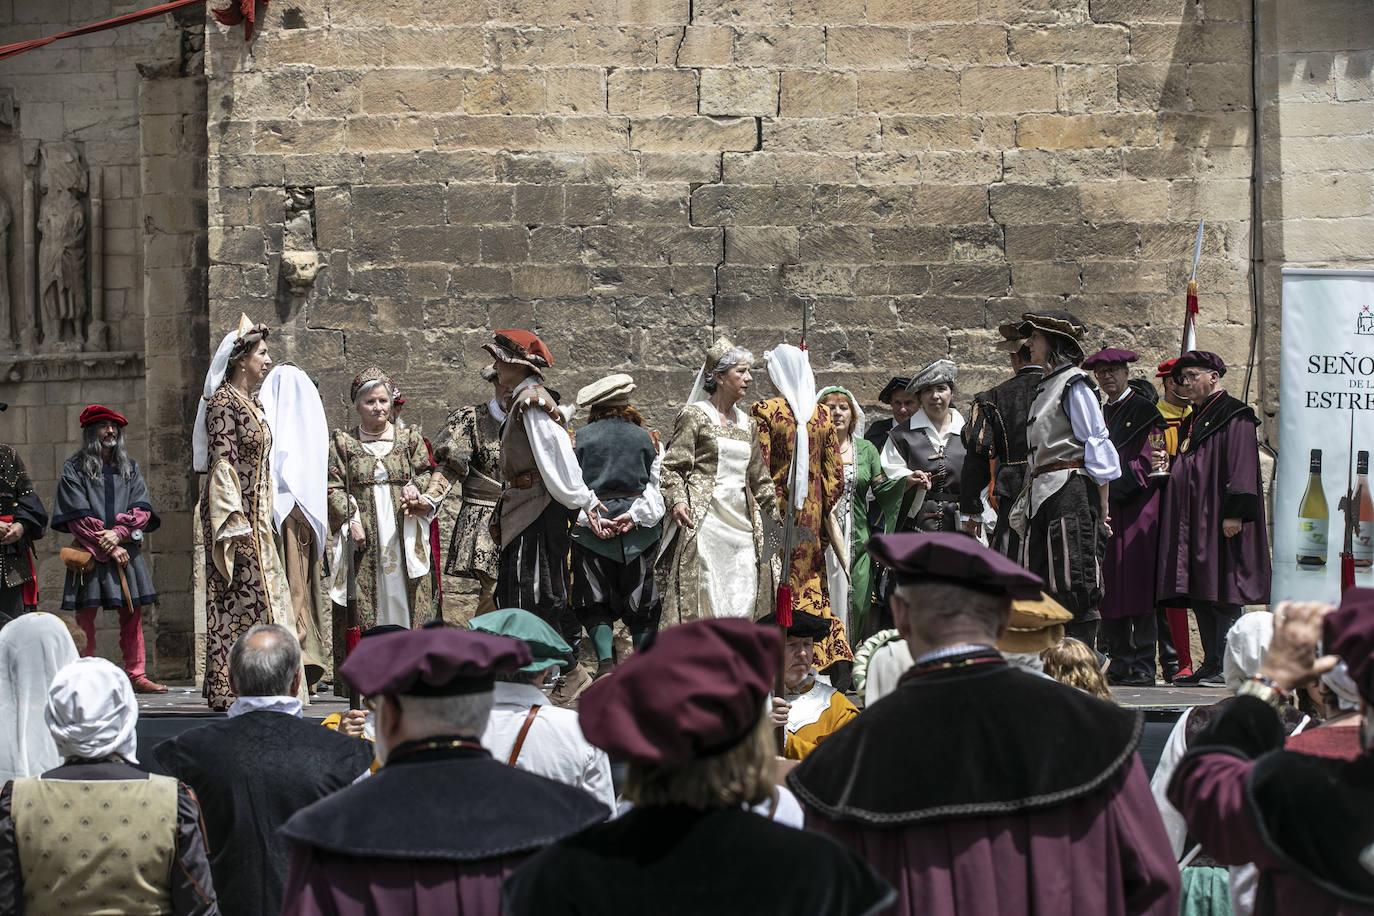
102 502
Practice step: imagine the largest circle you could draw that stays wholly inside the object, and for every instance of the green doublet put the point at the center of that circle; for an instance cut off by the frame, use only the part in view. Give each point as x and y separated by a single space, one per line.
95 847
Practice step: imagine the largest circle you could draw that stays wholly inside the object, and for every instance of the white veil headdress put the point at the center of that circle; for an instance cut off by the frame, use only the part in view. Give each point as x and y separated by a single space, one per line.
219 365
789 369
300 448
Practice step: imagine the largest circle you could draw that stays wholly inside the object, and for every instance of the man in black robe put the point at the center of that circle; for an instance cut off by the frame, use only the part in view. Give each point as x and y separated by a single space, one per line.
256 768
995 432
439 826
22 521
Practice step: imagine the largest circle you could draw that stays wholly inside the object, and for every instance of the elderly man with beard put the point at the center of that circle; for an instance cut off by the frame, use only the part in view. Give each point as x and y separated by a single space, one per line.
102 502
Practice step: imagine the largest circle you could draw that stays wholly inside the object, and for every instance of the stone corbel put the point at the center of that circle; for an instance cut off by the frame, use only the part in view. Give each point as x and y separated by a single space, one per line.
299 269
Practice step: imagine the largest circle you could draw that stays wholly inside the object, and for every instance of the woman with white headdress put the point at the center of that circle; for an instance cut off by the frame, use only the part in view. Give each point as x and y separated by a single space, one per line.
300 465
245 583
851 595
33 649
97 834
711 561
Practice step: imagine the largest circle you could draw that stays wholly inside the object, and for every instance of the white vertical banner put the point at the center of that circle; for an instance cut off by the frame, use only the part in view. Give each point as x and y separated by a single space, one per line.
1326 416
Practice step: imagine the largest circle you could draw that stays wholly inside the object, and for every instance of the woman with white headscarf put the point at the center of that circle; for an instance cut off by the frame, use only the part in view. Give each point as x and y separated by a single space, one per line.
1246 643
96 834
802 452
245 582
851 593
32 650
300 464
710 561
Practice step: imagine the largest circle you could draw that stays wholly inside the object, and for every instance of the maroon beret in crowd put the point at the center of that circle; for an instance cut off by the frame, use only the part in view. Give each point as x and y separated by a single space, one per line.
1348 632
1198 359
693 691
99 414
1110 356
804 625
945 556
431 662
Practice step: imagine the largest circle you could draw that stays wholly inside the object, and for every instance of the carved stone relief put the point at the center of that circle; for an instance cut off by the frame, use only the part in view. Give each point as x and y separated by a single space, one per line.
300 260
62 299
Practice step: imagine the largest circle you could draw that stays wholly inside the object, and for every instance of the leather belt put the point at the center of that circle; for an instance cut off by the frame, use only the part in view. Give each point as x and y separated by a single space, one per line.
609 496
524 480
1057 466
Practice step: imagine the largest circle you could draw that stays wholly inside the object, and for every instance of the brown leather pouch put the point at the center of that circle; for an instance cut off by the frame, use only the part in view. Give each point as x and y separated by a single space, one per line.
76 559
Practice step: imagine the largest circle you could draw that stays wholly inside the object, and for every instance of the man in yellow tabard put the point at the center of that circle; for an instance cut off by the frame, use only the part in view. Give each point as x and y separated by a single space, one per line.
810 709
1175 654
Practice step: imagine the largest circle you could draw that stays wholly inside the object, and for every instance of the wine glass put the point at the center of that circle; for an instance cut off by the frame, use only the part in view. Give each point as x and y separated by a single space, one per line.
1157 442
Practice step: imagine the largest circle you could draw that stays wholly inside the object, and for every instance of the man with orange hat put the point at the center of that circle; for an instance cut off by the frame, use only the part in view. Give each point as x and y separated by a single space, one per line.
102 502
542 490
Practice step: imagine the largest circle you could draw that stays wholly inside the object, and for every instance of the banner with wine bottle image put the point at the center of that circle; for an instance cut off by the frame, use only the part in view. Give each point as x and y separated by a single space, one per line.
1326 434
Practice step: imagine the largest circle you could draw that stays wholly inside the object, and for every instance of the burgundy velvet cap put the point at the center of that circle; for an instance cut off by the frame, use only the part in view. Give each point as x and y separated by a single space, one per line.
1348 632
98 413
1110 356
694 690
1198 359
944 556
432 661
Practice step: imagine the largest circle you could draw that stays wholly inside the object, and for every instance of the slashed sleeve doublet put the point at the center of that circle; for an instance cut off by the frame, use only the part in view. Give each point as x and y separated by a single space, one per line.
453 451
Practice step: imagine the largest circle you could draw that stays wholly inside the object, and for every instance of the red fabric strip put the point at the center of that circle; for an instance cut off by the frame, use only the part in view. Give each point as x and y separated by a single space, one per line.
22 46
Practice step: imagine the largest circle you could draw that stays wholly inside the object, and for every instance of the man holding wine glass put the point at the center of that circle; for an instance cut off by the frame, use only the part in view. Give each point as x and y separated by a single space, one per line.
1214 549
1129 626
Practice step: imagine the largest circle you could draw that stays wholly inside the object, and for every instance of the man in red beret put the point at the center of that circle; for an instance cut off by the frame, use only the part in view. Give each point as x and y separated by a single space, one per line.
441 824
1307 822
542 491
1175 653
1214 547
977 788
1129 626
102 502
22 521
687 714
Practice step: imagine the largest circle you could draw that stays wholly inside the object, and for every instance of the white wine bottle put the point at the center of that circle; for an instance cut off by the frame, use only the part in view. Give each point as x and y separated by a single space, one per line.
1313 518
1363 548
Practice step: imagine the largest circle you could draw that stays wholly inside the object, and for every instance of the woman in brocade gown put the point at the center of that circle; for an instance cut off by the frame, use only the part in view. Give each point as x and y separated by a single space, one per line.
711 561
245 580
863 474
375 469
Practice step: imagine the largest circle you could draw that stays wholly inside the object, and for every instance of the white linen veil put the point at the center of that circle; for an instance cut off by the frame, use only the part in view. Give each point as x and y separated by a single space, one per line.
300 448
33 648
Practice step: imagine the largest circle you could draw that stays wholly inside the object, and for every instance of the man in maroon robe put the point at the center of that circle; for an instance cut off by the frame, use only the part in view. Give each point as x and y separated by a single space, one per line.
440 826
1129 626
1214 549
1306 822
979 789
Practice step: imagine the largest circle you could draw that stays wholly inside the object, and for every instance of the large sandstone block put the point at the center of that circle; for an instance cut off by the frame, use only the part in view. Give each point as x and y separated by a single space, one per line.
652 92
868 46
924 91
980 42
739 92
1008 89
701 133
812 93
1031 205
1053 131
1073 44
823 135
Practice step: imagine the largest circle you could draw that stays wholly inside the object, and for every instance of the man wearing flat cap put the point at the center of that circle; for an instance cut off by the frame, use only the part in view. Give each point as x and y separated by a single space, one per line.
22 521
1214 547
1062 513
102 502
613 575
809 710
438 827
686 712
995 442
903 403
527 731
466 457
966 788
1306 822
1129 627
542 490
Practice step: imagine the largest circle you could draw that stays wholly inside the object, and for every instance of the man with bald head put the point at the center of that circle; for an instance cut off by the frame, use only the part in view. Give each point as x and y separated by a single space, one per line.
257 767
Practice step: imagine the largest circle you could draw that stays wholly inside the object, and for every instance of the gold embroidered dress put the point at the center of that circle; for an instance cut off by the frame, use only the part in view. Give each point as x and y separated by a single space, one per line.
244 586
716 568
393 585
777 428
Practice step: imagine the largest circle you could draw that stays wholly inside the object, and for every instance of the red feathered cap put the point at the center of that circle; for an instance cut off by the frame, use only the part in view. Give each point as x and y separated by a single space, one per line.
432 661
98 414
513 346
694 690
1348 632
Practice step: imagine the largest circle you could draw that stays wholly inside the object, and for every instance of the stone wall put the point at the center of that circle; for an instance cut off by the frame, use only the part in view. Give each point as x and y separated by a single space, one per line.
122 106
1316 151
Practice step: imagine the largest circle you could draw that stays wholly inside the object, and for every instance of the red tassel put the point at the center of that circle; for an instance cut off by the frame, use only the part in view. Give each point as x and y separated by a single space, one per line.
1347 572
784 616
351 637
